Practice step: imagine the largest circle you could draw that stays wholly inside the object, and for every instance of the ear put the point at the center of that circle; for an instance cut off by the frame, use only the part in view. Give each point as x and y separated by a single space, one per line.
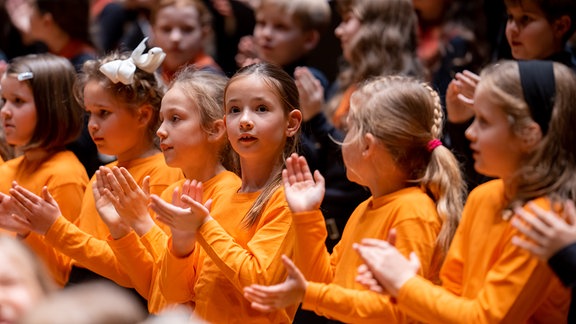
561 26
294 121
311 40
217 132
531 136
369 145
144 115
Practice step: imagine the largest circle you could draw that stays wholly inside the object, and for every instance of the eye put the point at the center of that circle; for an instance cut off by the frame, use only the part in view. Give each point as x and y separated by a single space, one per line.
175 118
261 108
103 113
233 110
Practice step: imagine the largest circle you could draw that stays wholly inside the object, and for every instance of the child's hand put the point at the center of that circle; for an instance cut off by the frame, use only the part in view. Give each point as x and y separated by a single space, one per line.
388 266
103 199
271 298
9 220
366 279
184 216
130 201
303 193
547 232
40 212
460 97
311 93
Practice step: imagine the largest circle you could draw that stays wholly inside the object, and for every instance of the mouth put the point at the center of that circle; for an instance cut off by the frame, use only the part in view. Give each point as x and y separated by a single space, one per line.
164 147
247 138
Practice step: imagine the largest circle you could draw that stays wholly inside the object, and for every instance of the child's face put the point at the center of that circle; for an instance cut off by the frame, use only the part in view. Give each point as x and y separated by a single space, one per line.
255 119
114 128
178 32
19 111
530 35
279 39
346 31
351 155
181 135
496 149
19 290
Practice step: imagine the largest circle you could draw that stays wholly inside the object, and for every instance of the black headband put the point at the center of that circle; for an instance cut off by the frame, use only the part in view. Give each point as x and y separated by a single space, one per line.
539 88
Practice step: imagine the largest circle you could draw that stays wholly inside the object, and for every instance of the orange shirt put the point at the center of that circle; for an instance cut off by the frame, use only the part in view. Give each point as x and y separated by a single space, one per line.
485 278
336 294
232 257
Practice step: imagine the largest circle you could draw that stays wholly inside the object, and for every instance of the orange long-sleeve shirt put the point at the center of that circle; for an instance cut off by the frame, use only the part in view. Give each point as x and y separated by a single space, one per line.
485 278
144 271
86 241
336 294
66 180
232 257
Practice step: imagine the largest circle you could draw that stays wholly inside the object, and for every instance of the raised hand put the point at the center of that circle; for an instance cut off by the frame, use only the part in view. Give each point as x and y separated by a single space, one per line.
460 97
303 192
311 93
40 212
130 201
103 199
271 298
546 231
184 216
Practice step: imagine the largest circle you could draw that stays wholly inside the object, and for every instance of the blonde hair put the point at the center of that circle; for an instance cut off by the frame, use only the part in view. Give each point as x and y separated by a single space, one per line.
405 114
551 166
206 90
309 14
283 85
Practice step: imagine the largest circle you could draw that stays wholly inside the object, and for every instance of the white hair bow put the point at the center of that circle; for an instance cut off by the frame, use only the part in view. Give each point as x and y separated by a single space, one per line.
123 70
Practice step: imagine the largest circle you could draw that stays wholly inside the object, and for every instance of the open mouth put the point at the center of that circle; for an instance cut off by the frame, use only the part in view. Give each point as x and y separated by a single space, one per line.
247 138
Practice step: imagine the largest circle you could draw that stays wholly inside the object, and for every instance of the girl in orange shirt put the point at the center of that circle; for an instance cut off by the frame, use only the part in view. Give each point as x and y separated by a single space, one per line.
40 117
522 134
392 147
246 232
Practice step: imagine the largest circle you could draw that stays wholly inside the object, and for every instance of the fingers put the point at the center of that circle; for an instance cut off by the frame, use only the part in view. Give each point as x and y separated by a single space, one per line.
537 228
533 248
128 179
371 242
570 212
392 237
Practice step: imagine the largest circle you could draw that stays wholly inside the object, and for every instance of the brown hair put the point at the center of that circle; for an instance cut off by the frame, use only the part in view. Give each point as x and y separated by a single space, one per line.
146 89
59 115
405 115
281 83
309 14
204 14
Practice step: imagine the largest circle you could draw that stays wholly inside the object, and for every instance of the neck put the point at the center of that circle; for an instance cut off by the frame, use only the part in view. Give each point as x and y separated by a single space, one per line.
56 40
202 173
137 153
36 154
256 174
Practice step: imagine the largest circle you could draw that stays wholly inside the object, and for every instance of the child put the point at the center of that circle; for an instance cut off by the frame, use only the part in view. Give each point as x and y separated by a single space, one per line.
182 28
40 117
24 281
251 226
484 277
392 148
123 105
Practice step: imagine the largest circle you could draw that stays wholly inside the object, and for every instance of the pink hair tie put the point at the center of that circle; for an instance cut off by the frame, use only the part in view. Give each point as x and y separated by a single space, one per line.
433 144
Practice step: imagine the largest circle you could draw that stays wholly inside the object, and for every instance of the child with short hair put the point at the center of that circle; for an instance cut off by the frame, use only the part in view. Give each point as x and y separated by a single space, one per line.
183 28
40 117
251 225
392 147
524 116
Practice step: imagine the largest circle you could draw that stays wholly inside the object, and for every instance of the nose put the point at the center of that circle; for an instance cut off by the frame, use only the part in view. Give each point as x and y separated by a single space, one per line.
161 132
246 122
339 30
470 132
92 124
5 111
512 26
176 35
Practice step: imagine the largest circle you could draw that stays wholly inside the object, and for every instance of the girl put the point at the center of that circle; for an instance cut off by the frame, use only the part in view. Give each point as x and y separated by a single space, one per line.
40 117
123 122
183 29
485 278
392 147
245 233
24 281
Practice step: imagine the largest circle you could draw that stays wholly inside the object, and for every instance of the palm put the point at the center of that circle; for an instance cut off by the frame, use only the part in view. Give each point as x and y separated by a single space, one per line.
303 191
